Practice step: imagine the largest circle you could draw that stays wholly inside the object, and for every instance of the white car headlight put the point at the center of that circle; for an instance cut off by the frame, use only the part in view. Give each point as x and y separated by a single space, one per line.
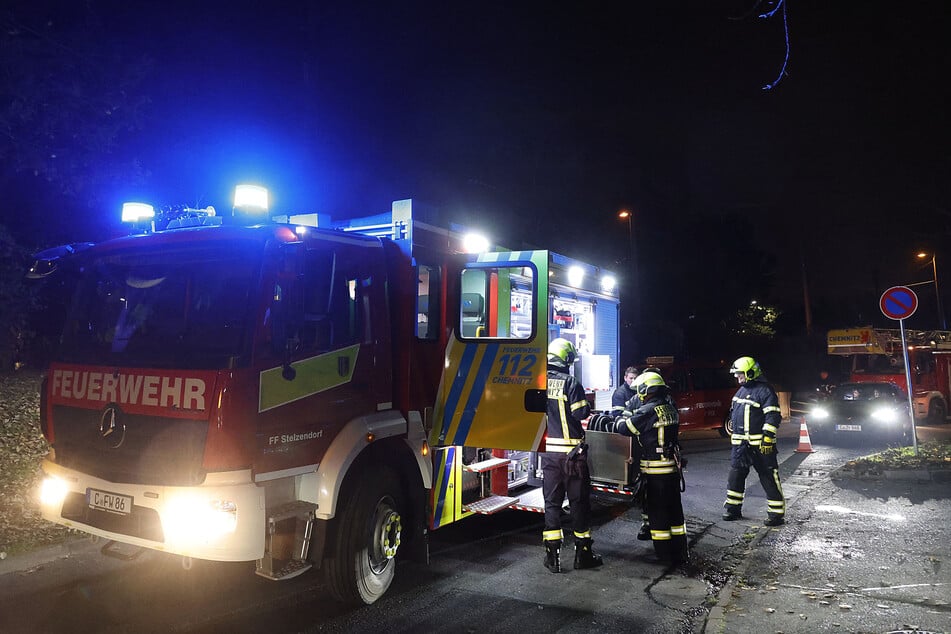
820 413
885 414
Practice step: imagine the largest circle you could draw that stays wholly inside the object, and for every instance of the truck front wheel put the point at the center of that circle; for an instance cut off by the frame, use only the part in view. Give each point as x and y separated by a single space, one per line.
363 562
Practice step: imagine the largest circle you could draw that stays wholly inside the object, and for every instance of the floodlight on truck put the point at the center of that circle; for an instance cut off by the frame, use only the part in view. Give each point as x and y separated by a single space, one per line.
133 212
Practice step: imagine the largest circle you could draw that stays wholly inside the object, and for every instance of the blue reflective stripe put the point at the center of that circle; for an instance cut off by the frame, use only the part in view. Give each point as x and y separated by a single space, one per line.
458 382
475 393
446 478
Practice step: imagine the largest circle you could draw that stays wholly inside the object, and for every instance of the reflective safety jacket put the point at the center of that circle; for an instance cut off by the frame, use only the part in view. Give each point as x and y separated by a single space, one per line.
755 413
567 407
655 424
621 396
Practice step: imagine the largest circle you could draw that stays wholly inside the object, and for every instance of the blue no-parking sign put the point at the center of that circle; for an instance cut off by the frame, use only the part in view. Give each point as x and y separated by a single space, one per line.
898 302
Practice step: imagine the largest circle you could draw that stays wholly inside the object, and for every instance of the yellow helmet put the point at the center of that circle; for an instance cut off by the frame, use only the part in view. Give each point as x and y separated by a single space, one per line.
748 367
562 349
645 381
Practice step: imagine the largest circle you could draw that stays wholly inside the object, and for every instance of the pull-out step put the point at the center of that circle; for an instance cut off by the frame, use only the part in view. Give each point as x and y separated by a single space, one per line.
287 546
532 500
491 504
486 465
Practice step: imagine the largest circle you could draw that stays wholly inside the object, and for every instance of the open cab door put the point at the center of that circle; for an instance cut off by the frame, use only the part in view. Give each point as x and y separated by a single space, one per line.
493 390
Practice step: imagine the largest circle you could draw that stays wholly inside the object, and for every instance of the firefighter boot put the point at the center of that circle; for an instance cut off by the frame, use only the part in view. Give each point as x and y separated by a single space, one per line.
645 533
584 556
553 555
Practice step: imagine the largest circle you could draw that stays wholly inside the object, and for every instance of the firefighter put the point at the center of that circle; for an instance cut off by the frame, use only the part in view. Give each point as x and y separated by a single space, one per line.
756 416
654 422
624 392
565 464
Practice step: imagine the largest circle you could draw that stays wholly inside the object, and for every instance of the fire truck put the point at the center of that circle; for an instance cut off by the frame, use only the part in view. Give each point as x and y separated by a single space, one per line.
876 355
311 394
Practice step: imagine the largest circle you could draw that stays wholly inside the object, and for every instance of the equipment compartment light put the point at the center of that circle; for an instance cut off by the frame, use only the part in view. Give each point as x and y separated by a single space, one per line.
251 198
475 243
137 212
608 283
575 276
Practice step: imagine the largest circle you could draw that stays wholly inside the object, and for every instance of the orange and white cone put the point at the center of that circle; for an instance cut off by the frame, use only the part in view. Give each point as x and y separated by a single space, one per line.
805 444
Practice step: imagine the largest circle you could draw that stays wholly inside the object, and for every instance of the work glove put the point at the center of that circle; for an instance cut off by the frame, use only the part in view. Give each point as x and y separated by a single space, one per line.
768 446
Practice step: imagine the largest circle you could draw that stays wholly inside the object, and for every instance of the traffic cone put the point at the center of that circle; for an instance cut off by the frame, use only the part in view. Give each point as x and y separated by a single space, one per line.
805 445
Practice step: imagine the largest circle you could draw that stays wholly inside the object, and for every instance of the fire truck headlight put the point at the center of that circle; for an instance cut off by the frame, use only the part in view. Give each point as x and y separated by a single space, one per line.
192 519
885 414
53 491
820 413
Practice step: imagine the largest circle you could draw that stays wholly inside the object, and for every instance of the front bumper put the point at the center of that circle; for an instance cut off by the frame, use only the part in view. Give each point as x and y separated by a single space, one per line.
220 520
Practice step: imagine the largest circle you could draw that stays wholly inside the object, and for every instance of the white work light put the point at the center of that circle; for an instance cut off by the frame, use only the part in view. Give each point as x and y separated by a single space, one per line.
137 212
575 276
251 197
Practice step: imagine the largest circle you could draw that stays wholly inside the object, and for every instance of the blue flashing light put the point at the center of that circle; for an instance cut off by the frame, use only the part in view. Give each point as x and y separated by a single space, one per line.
137 212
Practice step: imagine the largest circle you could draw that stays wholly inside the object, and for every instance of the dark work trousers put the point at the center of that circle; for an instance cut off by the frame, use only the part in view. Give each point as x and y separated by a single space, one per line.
666 516
577 485
767 467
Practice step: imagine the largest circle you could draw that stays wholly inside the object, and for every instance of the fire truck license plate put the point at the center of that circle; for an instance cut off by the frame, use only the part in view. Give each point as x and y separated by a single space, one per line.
111 502
848 428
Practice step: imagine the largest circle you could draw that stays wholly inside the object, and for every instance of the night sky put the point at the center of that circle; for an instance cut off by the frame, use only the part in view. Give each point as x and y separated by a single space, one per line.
536 122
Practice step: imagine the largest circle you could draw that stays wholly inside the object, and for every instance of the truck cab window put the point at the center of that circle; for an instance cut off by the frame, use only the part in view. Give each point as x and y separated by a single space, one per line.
427 302
497 303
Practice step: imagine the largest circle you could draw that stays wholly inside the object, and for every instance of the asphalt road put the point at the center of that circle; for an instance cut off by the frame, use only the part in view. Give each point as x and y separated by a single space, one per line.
486 573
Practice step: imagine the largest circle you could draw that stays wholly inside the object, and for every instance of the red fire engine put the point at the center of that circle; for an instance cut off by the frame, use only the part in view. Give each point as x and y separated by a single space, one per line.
316 395
876 355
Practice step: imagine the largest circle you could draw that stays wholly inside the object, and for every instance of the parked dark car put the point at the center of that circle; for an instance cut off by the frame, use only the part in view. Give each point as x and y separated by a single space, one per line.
878 410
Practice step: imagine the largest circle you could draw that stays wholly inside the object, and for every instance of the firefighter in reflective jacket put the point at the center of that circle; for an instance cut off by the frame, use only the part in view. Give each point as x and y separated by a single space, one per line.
755 416
565 464
654 423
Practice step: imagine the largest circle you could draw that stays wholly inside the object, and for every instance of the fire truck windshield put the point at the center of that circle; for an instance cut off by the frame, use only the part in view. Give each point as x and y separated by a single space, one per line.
182 307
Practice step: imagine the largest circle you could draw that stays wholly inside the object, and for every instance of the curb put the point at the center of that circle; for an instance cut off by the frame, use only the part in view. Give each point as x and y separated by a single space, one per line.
915 475
715 623
28 561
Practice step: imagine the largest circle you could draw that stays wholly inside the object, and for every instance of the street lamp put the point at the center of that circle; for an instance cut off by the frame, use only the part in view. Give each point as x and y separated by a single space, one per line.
626 214
934 269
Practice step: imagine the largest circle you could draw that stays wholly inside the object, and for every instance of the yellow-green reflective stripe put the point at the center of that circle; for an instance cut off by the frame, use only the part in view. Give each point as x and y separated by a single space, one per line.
552 536
314 375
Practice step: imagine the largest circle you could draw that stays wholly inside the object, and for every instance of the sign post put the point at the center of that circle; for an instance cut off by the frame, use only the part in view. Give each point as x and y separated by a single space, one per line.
899 303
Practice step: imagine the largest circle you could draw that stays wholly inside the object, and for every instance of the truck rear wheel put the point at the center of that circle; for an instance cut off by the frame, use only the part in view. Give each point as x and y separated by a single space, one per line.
937 412
362 564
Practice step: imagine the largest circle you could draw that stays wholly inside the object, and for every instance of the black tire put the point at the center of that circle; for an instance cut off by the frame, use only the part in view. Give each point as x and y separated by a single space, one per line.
937 412
727 429
363 560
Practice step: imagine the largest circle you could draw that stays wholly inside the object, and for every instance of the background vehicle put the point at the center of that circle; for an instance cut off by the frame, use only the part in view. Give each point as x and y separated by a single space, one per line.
305 393
876 356
703 391
875 410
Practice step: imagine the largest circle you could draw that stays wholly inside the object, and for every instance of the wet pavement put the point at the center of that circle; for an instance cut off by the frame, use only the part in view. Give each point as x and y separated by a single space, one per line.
856 555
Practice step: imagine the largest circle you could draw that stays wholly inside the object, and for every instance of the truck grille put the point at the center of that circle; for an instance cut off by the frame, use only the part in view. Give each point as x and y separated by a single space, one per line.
153 450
